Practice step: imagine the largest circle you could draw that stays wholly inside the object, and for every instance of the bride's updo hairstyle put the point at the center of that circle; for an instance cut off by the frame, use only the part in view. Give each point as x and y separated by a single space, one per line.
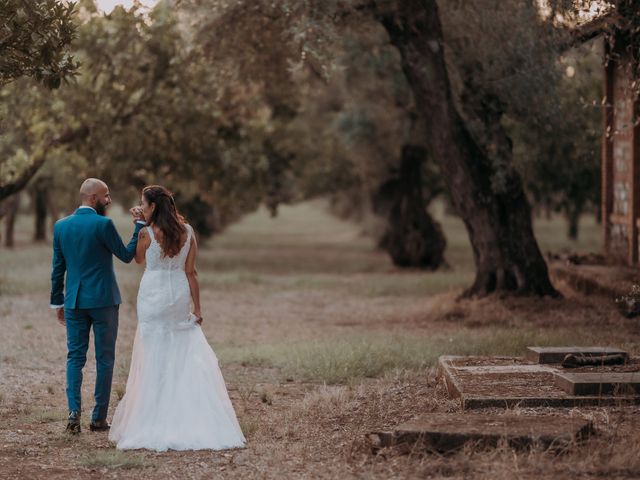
165 216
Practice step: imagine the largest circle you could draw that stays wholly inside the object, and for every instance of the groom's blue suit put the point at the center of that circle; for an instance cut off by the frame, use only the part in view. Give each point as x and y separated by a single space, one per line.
83 246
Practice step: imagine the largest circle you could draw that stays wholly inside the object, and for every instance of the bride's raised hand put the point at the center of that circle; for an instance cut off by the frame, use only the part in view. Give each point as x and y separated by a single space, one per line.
136 213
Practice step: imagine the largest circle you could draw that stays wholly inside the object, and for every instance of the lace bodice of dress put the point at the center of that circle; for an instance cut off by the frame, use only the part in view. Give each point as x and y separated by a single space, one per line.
155 259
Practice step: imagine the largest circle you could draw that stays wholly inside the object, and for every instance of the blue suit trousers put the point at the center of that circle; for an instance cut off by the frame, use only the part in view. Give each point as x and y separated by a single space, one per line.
105 331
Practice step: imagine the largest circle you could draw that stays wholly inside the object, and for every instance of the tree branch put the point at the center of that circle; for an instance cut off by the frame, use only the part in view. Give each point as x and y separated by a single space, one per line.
590 30
19 183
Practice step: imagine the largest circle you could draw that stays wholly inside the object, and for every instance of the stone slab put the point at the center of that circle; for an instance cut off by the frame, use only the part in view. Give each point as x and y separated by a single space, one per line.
507 382
446 370
569 401
557 354
479 369
610 281
605 383
450 432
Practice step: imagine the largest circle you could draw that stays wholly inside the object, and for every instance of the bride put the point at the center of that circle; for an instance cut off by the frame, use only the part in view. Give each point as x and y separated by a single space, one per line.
175 397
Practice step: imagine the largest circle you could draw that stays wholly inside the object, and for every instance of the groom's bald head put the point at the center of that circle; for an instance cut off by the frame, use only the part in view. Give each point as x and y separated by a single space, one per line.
95 193
92 186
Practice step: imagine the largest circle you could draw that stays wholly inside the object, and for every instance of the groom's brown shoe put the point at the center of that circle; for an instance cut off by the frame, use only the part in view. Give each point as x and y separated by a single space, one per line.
99 426
73 423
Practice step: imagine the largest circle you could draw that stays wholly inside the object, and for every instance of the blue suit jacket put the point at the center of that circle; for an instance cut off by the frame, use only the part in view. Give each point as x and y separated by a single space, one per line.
83 246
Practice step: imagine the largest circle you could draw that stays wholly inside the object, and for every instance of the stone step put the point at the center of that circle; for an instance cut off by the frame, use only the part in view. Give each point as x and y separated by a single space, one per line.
480 369
506 382
599 383
557 354
610 281
449 432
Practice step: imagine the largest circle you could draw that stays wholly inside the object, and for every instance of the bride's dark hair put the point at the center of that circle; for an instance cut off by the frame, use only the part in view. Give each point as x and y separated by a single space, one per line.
166 217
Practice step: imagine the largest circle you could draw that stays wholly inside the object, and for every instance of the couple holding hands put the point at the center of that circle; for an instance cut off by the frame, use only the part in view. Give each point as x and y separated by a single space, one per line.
175 396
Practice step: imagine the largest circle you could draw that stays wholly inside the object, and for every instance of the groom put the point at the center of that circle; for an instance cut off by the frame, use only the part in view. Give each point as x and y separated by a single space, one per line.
83 246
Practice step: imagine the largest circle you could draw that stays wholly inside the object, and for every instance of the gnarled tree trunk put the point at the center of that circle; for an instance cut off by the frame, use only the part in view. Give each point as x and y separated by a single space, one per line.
11 210
573 213
39 197
498 220
412 238
54 213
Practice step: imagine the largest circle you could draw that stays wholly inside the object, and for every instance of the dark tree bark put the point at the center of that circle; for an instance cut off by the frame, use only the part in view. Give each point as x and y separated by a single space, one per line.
54 213
11 211
573 219
201 215
40 201
412 238
573 228
277 190
498 219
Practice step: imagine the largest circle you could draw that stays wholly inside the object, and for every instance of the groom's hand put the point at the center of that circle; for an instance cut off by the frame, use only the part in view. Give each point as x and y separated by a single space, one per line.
60 315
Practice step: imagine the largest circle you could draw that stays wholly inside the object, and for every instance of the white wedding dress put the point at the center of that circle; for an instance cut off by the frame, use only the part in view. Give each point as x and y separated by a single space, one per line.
175 397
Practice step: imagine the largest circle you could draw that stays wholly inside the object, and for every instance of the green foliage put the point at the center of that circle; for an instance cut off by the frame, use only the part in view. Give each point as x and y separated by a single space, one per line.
151 108
358 121
34 41
35 38
560 159
511 67
237 104
507 57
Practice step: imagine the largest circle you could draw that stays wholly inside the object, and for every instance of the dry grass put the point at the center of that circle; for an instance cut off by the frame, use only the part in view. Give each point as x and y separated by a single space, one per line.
348 360
112 459
321 340
43 415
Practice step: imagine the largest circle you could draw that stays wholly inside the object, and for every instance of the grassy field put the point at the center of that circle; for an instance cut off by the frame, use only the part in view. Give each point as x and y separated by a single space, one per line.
321 339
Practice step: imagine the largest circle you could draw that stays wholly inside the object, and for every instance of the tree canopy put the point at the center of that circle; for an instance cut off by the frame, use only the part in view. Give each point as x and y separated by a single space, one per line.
34 41
238 104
